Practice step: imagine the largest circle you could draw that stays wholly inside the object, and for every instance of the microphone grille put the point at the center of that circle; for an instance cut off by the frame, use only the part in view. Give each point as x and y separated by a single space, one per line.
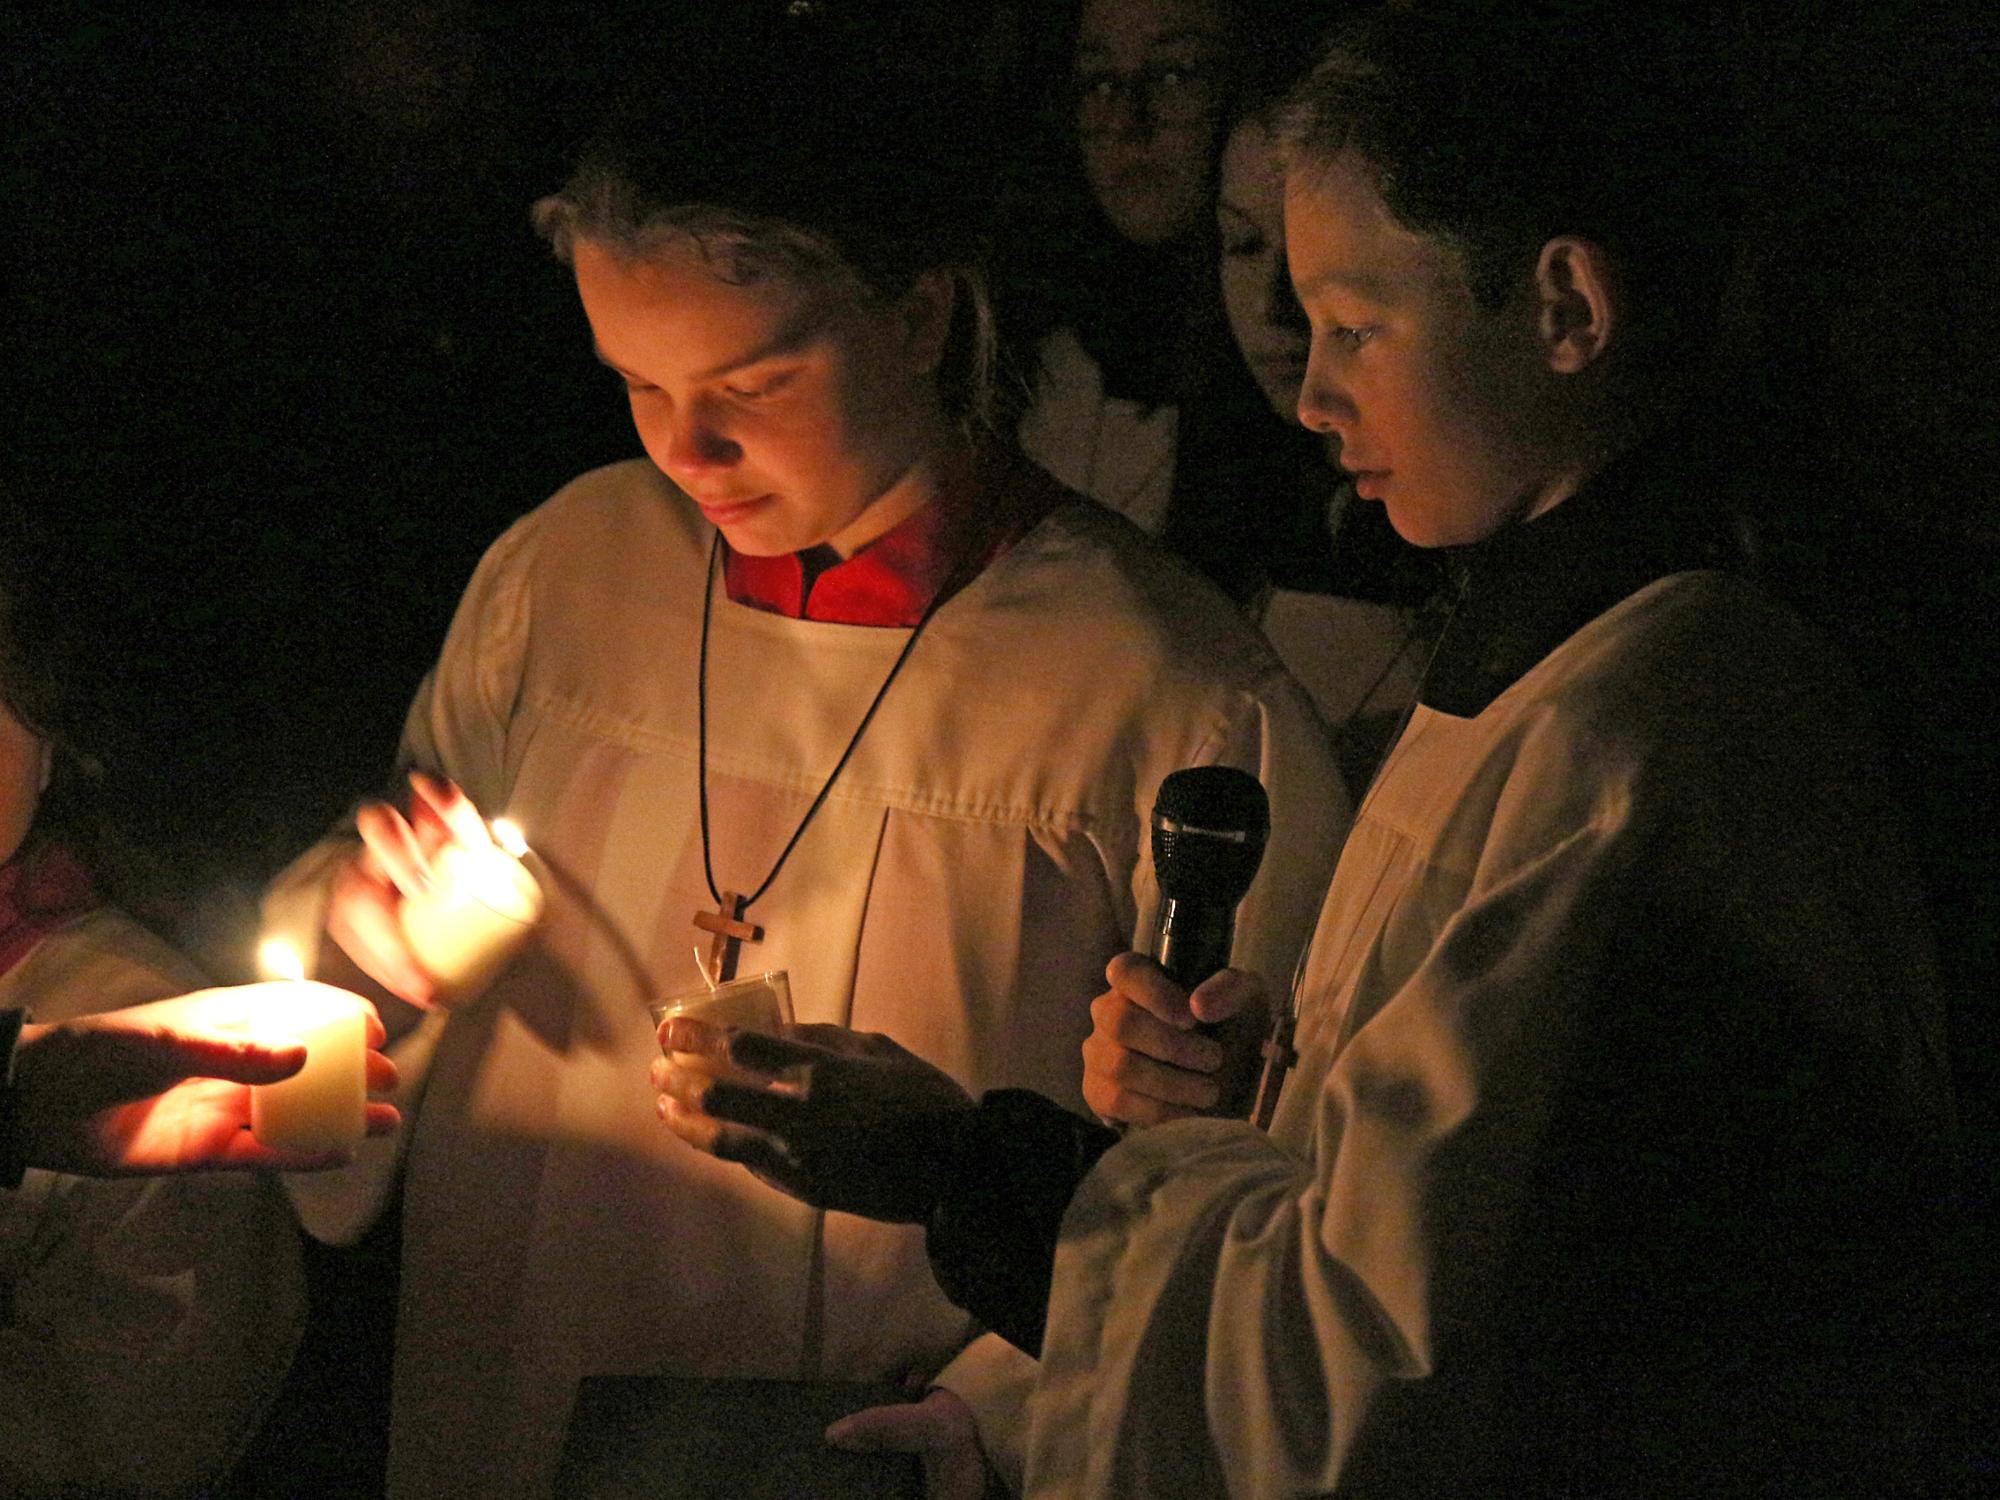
1210 824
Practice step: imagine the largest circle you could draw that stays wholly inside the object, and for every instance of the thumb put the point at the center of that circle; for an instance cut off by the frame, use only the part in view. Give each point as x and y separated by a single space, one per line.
1227 993
902 1427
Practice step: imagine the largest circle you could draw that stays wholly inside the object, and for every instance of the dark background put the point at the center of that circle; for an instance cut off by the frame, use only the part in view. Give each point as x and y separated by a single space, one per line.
288 355
285 357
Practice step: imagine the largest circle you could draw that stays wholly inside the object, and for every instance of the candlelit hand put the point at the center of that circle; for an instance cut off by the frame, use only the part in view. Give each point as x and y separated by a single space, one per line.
161 1088
396 860
1144 1063
836 1118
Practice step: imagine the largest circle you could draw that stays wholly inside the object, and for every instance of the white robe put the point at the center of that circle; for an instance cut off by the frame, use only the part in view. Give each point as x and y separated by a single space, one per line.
150 1321
1231 1312
1118 451
980 859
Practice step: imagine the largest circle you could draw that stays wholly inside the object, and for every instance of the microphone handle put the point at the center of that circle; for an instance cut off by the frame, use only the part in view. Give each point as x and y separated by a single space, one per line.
1192 939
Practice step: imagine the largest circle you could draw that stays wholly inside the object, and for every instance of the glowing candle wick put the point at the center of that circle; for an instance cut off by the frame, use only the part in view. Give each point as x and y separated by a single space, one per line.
278 959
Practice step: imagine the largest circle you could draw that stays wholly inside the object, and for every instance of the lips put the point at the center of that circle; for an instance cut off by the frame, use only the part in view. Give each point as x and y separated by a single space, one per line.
1366 480
724 512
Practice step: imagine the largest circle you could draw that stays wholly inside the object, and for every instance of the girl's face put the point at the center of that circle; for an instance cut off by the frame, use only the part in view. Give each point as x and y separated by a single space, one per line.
24 776
1264 313
1149 91
793 413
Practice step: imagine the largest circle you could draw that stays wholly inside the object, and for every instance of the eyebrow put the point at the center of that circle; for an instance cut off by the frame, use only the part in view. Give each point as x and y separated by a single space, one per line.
787 340
1371 287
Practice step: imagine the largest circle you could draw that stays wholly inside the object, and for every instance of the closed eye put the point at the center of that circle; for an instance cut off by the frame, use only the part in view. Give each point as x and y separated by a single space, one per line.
761 390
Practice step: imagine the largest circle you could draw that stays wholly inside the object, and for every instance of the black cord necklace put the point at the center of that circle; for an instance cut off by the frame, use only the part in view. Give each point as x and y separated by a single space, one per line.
727 922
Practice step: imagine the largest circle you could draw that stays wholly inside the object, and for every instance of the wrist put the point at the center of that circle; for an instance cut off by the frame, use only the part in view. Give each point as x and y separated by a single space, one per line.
1007 1171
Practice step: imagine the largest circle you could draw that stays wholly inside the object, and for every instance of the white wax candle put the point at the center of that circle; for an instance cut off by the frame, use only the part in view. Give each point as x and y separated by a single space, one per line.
464 928
323 1106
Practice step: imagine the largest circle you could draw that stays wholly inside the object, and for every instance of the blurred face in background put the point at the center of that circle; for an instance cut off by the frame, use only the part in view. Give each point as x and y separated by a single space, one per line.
24 776
793 413
1265 318
1148 80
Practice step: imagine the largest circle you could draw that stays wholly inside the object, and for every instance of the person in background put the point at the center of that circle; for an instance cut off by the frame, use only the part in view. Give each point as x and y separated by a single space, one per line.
1137 396
1618 1155
834 648
145 1322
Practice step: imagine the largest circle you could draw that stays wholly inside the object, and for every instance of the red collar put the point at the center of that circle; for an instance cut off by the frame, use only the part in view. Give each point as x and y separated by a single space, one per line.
896 577
40 892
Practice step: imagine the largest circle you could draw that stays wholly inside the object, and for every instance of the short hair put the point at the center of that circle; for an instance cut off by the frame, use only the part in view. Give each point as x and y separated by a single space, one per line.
824 166
1496 128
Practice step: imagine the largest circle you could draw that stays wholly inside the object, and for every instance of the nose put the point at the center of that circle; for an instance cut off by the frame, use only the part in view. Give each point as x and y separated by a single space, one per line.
693 443
1132 116
1119 107
1323 403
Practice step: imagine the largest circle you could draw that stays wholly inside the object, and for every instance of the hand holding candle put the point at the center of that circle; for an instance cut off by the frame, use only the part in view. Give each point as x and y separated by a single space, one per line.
756 1002
168 1086
435 905
473 916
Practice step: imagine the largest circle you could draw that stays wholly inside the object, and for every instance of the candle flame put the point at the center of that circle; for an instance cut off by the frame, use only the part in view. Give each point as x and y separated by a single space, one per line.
507 834
279 960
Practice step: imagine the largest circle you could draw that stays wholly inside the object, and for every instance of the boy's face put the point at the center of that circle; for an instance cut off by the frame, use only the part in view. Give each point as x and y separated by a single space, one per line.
1440 406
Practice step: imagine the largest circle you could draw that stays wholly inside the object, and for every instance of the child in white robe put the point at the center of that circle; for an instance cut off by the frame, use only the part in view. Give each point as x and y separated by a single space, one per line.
664 675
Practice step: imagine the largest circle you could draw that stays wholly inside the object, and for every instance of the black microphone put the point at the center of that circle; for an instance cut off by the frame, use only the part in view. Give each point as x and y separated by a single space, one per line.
1209 828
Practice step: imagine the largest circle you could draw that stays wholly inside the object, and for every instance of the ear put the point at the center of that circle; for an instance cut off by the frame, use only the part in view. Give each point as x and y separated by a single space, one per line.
926 319
1577 293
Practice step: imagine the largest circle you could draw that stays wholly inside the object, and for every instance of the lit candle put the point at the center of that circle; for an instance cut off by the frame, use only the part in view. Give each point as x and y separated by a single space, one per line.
323 1106
479 908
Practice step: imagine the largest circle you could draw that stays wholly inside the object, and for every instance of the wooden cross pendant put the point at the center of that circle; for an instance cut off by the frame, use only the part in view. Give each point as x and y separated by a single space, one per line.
731 932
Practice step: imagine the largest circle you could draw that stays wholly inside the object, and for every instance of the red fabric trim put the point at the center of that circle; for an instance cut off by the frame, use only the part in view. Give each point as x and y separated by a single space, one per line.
39 893
892 580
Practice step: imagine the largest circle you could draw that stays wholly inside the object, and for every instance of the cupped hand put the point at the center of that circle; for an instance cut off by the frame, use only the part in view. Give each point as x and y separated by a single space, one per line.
165 1087
1146 1061
836 1118
395 860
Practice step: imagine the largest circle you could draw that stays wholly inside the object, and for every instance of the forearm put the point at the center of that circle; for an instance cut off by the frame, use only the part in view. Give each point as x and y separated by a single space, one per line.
1008 1171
